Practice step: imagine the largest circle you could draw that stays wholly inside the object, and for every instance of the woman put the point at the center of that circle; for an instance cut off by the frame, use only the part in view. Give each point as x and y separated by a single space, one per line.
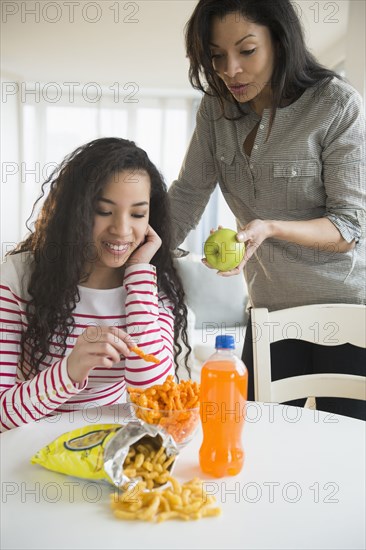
95 278
284 138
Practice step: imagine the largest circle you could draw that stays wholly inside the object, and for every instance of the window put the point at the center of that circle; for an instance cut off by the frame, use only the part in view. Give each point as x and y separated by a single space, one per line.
66 129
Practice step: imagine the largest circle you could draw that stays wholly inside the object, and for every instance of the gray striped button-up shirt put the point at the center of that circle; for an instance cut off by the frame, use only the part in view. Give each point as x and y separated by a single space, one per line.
312 165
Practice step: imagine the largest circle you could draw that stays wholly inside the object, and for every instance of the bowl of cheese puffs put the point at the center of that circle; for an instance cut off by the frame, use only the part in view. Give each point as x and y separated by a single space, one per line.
172 406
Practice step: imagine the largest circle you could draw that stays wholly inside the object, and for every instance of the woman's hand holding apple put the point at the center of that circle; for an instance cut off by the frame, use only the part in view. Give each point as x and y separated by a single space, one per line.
222 250
253 234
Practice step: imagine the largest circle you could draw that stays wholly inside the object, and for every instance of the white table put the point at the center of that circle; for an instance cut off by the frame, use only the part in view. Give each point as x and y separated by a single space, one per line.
302 486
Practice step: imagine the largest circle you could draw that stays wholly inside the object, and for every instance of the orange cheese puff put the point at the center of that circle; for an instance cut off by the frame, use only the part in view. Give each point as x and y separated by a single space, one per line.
144 356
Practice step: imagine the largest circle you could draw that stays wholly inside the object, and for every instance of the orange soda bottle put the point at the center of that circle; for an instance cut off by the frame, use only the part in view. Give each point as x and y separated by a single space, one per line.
223 395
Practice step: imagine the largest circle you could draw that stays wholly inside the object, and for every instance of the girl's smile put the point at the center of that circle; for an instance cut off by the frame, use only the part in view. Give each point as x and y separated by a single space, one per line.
116 247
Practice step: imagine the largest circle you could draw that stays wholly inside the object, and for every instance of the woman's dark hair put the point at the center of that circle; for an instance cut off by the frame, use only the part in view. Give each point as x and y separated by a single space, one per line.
61 241
295 68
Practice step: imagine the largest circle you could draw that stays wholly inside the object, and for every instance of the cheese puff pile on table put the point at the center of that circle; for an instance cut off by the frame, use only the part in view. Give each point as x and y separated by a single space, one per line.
187 501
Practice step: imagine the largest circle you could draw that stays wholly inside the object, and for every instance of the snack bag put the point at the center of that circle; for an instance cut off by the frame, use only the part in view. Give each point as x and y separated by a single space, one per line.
119 454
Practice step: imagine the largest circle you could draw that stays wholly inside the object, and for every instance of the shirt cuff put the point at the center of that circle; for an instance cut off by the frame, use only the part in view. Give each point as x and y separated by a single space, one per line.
72 387
347 228
138 271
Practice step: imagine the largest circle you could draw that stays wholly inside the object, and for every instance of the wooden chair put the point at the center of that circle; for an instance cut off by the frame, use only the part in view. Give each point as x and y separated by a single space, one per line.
325 324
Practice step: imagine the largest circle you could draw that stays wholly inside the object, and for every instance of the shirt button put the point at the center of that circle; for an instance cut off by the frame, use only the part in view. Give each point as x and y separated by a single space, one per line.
294 172
251 166
222 157
261 126
255 146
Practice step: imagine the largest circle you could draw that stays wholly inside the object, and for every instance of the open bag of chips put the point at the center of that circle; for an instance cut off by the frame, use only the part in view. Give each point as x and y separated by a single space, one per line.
119 454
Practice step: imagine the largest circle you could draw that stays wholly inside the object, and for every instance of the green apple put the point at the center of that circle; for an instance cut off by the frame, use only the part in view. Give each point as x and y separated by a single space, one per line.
223 251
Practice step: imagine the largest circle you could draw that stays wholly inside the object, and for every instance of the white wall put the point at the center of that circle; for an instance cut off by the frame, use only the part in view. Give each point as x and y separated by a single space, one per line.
141 42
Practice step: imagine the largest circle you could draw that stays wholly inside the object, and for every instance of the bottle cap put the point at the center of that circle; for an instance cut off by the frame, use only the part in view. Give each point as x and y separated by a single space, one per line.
225 341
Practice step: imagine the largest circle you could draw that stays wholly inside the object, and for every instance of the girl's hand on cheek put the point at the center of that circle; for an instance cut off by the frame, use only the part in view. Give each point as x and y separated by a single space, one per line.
97 347
147 250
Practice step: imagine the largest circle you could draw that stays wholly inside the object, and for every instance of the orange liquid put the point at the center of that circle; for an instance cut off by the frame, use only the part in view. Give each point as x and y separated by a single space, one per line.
223 395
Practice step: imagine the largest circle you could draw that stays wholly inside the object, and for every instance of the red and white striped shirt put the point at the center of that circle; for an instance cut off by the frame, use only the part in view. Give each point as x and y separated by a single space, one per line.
136 308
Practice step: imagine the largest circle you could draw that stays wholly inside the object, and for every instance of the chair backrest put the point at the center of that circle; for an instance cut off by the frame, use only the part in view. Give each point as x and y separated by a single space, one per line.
325 324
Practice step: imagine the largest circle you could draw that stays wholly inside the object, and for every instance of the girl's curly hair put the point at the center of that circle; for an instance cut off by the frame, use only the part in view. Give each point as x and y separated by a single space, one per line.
63 233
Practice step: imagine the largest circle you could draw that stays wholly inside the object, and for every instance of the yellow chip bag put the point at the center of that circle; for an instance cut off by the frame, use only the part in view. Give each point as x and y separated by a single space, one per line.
119 454
78 453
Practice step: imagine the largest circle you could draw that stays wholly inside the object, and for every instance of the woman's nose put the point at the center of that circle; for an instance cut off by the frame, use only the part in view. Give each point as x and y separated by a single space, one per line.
233 66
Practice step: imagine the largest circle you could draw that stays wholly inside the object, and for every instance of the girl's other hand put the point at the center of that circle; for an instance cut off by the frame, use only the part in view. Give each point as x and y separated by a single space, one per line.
97 347
147 250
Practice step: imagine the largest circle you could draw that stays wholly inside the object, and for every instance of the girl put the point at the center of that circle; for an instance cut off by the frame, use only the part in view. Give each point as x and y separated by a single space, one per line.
94 278
284 138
